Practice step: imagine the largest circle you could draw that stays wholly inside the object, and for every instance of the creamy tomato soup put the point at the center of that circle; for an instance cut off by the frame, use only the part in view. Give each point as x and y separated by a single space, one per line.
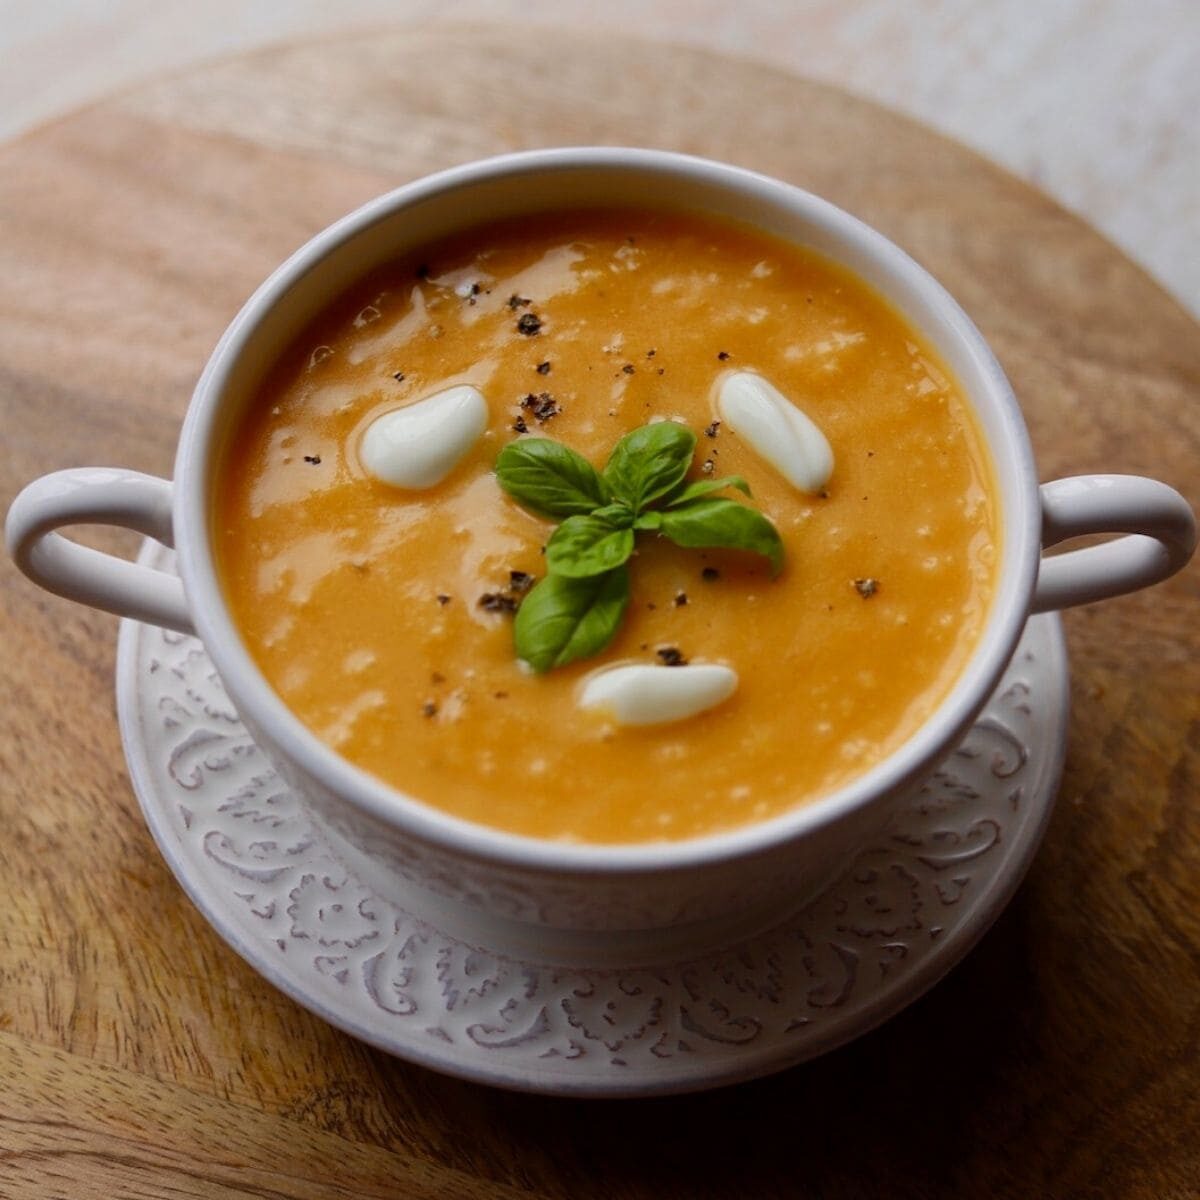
383 615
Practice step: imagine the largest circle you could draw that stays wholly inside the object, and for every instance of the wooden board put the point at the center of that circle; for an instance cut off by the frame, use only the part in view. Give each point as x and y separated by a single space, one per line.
140 1056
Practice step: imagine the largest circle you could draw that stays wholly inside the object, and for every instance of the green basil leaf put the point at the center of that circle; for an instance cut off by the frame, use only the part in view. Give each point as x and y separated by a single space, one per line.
651 519
619 516
587 545
726 524
649 462
550 478
703 487
563 619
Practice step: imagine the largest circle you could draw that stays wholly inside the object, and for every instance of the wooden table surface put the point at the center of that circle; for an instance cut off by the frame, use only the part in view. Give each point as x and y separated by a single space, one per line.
139 1056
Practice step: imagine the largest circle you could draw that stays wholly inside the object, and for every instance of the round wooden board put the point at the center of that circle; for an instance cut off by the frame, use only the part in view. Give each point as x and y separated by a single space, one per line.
141 1056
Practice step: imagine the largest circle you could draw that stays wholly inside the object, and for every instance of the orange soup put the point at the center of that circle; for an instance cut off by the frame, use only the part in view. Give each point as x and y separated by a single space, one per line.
383 616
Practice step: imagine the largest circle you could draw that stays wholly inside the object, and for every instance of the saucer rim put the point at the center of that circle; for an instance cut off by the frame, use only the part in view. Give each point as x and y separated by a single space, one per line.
767 1060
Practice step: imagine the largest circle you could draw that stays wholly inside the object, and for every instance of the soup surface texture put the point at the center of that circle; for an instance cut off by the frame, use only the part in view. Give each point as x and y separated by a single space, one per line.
383 617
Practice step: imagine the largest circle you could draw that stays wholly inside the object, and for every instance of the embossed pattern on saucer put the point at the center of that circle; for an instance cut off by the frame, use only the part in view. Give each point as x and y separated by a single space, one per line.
904 913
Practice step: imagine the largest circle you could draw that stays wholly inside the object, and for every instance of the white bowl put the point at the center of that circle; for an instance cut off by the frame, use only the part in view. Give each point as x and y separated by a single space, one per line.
394 841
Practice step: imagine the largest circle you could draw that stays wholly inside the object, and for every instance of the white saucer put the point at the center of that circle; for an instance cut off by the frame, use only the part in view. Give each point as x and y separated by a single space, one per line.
905 912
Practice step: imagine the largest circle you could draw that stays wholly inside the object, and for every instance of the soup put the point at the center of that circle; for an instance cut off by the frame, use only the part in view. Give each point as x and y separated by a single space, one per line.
384 615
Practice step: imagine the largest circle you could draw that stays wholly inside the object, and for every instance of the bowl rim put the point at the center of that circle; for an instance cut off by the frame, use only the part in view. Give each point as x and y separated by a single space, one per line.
265 711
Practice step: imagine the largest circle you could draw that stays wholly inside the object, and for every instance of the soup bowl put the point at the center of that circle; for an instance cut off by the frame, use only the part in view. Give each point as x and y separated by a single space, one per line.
547 893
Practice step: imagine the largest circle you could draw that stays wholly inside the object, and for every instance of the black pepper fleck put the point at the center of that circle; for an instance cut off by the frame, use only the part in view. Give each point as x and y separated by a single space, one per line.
651 353
543 368
671 656
711 430
629 368
529 324
443 599
515 302
399 376
680 599
866 588
723 355
707 466
543 406
429 709
520 581
519 425
315 459
710 573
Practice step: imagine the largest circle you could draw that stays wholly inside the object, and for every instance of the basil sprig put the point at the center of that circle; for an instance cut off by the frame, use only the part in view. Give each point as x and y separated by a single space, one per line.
576 610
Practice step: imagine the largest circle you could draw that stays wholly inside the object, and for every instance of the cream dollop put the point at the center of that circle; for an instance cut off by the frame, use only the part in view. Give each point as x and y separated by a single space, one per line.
636 694
771 425
418 446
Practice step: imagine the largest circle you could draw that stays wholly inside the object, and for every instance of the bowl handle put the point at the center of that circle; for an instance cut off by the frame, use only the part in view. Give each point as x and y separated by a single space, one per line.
1160 537
97 496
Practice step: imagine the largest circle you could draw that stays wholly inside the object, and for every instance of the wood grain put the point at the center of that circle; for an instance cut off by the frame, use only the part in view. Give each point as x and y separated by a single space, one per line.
139 1056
